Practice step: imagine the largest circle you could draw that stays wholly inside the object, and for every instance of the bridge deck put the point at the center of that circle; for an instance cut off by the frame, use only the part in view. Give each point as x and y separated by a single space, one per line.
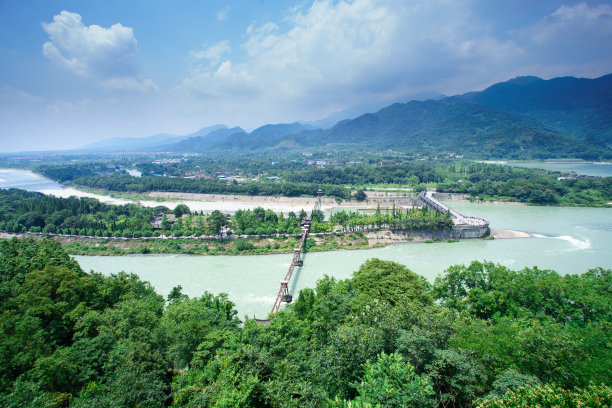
458 219
297 253
296 257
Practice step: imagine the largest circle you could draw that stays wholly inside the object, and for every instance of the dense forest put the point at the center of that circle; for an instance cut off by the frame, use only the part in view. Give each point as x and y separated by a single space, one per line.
481 336
483 181
451 125
22 211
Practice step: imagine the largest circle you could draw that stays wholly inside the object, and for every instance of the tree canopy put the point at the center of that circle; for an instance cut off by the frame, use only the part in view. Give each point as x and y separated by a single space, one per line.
482 335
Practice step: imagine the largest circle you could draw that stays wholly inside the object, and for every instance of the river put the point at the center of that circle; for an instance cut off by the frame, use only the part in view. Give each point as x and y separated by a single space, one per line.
587 169
568 240
27 180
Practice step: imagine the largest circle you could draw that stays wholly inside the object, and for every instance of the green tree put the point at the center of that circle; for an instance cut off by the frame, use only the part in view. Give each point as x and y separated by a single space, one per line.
180 210
360 195
391 382
214 222
551 396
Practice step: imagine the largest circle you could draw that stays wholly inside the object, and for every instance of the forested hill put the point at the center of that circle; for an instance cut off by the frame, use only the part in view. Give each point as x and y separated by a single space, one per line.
201 143
578 107
238 139
456 126
525 118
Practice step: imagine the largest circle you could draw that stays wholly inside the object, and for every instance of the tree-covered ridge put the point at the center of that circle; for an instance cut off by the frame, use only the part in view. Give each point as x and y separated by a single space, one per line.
478 131
578 107
434 126
386 337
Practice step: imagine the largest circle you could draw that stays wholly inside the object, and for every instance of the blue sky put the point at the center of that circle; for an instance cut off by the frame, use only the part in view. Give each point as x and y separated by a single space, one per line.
72 72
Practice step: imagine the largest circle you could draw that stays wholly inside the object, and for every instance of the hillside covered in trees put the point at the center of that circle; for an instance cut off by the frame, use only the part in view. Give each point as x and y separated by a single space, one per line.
523 118
577 107
482 335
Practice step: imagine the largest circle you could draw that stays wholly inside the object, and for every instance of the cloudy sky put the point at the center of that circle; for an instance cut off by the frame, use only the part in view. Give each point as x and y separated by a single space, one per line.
72 72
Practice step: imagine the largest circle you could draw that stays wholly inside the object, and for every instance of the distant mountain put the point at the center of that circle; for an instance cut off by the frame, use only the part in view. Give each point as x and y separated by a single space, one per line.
131 143
262 137
205 131
452 125
523 118
150 143
577 107
203 143
356 111
238 139
283 129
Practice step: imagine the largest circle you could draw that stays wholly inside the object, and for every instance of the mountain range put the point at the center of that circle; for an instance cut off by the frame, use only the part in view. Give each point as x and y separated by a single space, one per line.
576 107
523 118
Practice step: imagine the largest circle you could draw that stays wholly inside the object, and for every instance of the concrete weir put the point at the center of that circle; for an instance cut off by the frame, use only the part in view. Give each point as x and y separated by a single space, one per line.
463 226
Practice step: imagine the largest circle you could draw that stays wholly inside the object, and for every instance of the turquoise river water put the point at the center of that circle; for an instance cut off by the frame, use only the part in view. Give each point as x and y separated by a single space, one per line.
568 240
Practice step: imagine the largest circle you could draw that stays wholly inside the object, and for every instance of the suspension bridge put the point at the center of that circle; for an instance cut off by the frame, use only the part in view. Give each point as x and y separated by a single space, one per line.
283 295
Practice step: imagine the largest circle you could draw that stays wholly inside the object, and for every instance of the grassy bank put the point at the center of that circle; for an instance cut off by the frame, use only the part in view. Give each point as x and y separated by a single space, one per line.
261 246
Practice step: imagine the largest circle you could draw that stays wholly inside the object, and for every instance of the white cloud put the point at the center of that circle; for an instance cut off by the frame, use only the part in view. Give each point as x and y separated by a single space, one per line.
572 40
223 13
574 22
104 54
213 54
339 53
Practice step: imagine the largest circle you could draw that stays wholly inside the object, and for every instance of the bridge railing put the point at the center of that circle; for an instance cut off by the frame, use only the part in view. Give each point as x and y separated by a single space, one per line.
458 219
296 257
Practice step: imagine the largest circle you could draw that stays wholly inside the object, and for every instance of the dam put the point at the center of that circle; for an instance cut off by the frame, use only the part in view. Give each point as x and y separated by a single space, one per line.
463 226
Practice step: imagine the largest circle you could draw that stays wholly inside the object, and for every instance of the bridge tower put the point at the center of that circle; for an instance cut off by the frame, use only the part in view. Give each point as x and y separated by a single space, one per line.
318 201
286 297
297 257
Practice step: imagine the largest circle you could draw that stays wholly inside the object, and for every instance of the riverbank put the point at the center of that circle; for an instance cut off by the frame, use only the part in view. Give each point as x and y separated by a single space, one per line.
466 198
237 246
244 246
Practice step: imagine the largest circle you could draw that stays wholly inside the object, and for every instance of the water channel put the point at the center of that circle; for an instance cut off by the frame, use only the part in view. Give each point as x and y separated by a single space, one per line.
568 240
588 169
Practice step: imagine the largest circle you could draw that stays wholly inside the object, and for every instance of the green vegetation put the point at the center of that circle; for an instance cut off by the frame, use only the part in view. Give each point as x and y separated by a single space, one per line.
577 107
482 181
240 246
482 335
551 396
85 175
22 211
34 212
451 124
485 181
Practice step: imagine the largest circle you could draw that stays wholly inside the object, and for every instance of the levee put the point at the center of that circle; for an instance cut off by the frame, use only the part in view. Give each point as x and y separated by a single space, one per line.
464 227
